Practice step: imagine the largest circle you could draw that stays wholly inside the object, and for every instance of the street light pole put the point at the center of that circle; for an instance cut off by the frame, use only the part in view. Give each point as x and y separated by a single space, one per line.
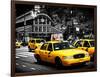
24 29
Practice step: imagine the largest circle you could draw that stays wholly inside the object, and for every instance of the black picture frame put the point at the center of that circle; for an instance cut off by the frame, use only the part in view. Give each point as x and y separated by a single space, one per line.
23 4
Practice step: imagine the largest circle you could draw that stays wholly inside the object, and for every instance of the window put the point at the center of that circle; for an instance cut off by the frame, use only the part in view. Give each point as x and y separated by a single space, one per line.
29 22
48 21
48 28
40 28
63 45
36 28
78 44
44 46
86 44
50 47
20 24
92 43
44 28
36 21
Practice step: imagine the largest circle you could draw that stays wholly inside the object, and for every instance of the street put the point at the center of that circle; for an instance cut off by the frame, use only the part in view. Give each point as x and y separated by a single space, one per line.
25 62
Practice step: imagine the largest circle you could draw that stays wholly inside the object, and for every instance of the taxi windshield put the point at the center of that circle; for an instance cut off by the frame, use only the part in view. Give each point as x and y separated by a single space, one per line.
63 45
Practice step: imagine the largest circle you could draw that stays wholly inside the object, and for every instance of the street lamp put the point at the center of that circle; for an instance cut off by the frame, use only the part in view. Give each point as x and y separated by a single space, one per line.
24 30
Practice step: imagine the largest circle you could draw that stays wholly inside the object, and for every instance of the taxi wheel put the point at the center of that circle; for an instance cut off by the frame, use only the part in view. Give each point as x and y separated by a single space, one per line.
58 62
29 49
18 47
38 59
83 64
92 58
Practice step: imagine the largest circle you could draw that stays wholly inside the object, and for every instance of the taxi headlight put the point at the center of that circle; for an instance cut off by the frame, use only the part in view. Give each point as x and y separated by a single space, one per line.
67 57
87 54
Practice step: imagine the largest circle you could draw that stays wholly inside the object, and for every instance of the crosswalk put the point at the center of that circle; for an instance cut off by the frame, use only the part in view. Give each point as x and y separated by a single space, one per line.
22 53
22 49
23 56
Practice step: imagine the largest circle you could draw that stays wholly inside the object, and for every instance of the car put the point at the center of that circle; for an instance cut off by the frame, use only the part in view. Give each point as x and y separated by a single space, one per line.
86 44
18 44
61 54
34 43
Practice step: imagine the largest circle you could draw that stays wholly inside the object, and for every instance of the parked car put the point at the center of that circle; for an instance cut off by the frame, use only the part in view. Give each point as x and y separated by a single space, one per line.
18 44
86 44
61 54
34 43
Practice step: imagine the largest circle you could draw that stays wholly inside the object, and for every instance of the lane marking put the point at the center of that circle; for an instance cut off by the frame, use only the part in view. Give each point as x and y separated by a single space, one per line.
17 64
32 68
23 66
17 57
25 53
22 55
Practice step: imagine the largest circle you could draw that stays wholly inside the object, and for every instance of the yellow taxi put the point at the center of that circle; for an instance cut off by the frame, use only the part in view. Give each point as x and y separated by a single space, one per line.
61 54
18 44
34 43
86 44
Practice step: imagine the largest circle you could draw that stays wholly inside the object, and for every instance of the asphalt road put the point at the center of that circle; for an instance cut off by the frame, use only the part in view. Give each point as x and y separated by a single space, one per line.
25 62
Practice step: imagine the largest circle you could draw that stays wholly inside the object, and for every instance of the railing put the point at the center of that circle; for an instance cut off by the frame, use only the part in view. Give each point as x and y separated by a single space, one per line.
47 29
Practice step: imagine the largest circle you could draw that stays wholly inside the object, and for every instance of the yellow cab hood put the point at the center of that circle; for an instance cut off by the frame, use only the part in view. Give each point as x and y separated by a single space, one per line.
91 50
69 52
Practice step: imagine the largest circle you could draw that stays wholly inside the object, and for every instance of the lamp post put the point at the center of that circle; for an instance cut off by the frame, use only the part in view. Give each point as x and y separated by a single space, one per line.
24 29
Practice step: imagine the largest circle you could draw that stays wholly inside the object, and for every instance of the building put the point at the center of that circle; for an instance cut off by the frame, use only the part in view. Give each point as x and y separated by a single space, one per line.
36 25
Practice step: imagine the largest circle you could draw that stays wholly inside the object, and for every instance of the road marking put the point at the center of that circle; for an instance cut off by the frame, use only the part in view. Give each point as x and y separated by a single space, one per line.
17 57
23 66
17 64
26 54
33 68
22 55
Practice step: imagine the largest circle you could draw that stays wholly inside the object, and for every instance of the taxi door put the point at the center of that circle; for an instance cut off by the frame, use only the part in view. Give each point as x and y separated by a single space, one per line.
49 53
43 51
